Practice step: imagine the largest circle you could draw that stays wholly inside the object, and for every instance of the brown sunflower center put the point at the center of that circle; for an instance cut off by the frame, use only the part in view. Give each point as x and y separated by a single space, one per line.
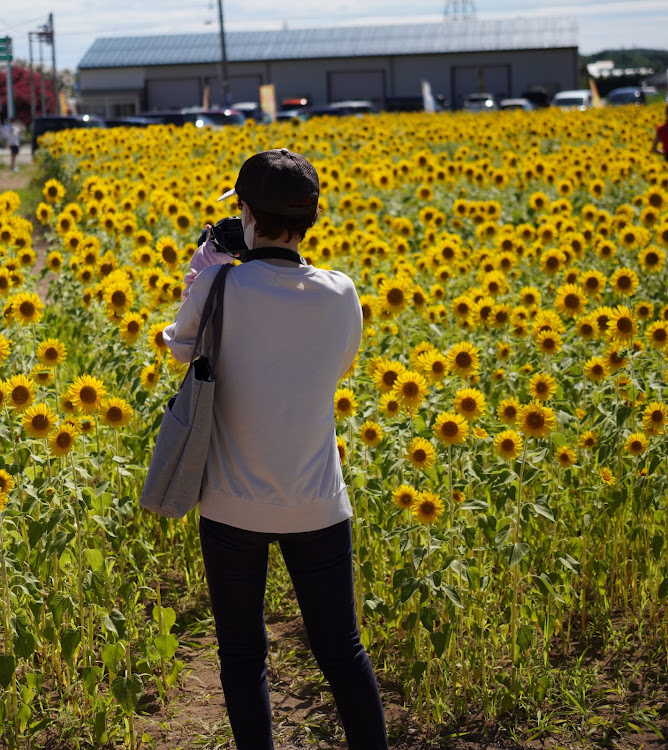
463 360
469 404
118 298
159 341
535 420
427 507
344 404
437 367
420 455
389 377
660 334
132 327
169 254
508 444
572 301
20 395
624 282
597 370
449 429
115 414
40 422
652 259
625 325
410 389
510 412
64 440
395 296
657 416
27 309
88 394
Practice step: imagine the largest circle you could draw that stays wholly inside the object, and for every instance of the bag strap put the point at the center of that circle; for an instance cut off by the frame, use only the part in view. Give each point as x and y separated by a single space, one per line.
217 290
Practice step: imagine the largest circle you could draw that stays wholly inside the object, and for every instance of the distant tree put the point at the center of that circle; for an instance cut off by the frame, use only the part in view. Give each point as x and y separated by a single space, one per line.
21 86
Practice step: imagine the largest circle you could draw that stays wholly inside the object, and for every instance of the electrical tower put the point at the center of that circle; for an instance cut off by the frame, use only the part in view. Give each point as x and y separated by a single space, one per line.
459 10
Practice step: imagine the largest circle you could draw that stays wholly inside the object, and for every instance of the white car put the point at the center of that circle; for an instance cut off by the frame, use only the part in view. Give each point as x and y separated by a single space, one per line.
479 103
523 104
576 99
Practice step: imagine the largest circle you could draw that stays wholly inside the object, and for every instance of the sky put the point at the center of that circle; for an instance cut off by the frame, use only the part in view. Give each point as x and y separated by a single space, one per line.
603 24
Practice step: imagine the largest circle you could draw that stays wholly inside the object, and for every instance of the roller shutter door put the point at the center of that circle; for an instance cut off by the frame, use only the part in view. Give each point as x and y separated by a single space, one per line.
362 84
242 89
173 93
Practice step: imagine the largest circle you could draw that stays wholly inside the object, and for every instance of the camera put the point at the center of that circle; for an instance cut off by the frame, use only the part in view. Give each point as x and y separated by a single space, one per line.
227 236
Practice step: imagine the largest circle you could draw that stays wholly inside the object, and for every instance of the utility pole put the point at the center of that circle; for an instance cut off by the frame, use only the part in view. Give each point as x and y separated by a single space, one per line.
225 83
7 55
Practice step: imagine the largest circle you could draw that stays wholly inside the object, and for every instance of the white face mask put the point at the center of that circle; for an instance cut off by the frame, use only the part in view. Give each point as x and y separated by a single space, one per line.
249 230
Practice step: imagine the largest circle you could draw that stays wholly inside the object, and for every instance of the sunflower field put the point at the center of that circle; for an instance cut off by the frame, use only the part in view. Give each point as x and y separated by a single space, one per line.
503 429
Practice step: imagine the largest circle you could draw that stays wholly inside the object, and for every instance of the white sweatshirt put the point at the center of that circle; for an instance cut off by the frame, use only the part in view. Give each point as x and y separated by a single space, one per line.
289 334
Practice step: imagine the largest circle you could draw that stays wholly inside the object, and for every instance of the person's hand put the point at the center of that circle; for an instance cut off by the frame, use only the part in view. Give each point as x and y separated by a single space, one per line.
205 255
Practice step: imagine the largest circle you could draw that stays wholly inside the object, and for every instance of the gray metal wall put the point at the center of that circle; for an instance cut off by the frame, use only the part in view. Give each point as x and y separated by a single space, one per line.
506 73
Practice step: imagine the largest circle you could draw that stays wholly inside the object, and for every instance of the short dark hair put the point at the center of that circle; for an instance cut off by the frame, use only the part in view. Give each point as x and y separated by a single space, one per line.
274 226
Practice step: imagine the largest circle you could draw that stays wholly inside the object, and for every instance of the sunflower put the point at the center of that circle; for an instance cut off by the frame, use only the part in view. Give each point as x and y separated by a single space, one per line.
614 359
150 376
371 433
44 213
130 327
428 507
51 352
53 191
596 368
570 300
542 386
5 348
451 428
342 448
6 485
115 412
26 308
20 392
390 405
636 444
86 393
410 388
507 410
607 477
592 282
404 496
386 374
38 420
536 420
155 340
368 303
652 259
549 342
470 403
565 456
118 295
394 295
655 417
434 365
61 440
5 281
622 326
508 444
657 335
168 252
588 440
624 281
463 359
421 453
345 403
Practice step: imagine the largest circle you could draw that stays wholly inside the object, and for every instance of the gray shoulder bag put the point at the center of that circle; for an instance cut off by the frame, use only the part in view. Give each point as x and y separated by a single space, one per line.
174 480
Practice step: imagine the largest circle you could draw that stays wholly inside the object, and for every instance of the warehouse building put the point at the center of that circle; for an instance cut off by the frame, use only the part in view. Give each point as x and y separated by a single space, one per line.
126 75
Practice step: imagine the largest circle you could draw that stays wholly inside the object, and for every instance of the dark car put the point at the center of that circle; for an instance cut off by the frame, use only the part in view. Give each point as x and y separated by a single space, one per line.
413 104
341 109
176 117
133 121
218 117
54 123
626 95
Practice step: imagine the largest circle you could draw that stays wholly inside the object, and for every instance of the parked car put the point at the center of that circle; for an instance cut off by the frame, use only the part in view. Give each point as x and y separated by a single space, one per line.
174 117
575 99
218 117
357 107
520 103
132 121
299 102
292 114
626 95
251 111
412 104
54 123
479 103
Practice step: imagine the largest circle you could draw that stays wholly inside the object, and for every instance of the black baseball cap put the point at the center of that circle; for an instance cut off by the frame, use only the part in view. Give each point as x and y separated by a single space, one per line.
279 182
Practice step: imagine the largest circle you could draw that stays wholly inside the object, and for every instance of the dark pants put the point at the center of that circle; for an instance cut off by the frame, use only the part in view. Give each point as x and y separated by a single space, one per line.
320 565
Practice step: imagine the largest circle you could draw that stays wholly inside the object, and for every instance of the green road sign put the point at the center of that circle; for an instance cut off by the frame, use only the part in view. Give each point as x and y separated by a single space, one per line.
6 54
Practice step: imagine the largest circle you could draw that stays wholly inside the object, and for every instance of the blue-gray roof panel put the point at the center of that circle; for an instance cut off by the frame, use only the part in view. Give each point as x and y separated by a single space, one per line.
344 41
